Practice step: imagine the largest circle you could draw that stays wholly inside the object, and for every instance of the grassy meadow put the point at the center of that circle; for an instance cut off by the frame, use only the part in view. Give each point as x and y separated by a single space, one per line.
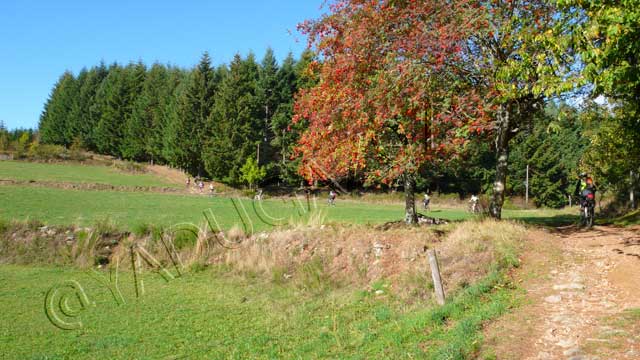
127 210
76 173
130 209
216 312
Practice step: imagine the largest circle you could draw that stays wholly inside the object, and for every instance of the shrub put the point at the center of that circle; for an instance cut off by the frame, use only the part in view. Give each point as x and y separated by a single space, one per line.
130 167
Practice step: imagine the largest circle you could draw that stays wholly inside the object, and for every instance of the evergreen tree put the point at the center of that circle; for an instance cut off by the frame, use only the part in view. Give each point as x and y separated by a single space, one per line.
269 99
135 129
112 105
74 118
188 128
146 116
161 109
4 137
54 125
237 121
285 134
552 149
87 97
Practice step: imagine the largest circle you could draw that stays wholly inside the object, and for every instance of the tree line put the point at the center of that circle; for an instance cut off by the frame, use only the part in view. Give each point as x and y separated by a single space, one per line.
207 120
464 102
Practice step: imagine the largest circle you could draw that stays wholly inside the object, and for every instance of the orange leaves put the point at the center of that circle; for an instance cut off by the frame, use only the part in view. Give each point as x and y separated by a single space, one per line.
389 87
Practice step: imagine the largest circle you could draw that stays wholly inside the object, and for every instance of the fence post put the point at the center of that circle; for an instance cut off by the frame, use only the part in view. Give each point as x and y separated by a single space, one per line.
435 274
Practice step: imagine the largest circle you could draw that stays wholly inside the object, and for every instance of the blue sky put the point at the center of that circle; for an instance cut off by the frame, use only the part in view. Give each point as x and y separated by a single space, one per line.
41 39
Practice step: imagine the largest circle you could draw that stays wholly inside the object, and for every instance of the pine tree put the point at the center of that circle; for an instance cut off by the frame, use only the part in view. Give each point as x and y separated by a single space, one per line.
285 134
188 129
85 127
54 125
111 104
136 122
237 121
74 118
4 137
269 98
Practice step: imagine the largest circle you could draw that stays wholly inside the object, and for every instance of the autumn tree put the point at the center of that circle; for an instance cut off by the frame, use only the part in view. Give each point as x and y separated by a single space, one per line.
520 56
391 94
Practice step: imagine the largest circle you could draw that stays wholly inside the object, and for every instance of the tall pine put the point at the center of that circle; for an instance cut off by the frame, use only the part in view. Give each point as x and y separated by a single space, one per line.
188 128
237 121
54 125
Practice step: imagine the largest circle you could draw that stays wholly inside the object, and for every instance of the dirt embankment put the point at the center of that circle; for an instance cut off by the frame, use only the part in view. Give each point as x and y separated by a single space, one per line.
583 298
356 255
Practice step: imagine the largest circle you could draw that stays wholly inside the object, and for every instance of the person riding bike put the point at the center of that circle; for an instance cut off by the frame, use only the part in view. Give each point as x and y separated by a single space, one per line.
586 193
473 204
426 201
585 188
332 198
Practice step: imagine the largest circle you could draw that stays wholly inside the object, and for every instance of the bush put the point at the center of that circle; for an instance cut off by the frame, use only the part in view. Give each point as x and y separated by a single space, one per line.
130 167
47 152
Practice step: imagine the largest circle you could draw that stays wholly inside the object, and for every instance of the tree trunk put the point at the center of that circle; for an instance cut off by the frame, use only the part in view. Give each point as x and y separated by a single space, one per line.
632 191
502 153
410 215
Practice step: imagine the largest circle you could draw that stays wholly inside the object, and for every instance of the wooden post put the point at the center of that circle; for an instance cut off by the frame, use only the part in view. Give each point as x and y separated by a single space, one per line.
435 274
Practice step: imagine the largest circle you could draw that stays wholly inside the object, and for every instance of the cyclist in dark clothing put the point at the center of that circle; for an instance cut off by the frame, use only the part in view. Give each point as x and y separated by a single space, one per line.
584 187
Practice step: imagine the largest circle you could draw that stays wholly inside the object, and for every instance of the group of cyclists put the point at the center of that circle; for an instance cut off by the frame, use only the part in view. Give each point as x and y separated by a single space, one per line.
199 184
585 191
474 203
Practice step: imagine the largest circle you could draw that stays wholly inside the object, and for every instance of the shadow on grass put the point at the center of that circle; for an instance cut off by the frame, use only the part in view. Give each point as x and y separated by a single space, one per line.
550 221
632 218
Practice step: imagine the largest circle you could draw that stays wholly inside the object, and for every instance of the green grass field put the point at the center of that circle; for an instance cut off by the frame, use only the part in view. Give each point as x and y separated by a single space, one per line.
75 173
129 209
215 315
218 313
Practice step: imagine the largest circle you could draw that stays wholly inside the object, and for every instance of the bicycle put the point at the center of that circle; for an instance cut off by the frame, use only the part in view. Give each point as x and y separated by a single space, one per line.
587 212
474 208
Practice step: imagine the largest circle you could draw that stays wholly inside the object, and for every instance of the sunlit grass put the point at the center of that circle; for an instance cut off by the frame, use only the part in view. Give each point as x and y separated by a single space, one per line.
129 209
76 173
213 314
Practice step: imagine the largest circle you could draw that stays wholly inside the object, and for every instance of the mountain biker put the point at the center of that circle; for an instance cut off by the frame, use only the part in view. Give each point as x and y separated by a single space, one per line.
585 188
258 195
474 203
426 200
332 197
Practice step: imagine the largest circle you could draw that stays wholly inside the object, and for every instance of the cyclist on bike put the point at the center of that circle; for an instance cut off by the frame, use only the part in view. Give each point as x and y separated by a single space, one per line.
474 203
426 201
332 197
585 188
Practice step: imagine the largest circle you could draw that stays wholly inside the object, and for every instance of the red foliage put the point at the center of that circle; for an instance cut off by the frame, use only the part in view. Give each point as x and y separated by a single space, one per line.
392 92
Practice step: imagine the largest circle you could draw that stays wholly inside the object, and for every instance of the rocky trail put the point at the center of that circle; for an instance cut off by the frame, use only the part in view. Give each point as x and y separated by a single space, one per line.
582 298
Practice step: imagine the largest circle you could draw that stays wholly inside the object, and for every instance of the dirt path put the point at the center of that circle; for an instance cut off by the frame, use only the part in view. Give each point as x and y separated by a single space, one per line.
581 291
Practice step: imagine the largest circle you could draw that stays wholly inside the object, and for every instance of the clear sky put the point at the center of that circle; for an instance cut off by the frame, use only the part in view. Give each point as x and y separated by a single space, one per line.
41 39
